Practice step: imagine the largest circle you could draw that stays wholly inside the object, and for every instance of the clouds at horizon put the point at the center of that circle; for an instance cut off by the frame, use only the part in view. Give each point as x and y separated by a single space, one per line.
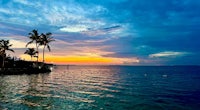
126 29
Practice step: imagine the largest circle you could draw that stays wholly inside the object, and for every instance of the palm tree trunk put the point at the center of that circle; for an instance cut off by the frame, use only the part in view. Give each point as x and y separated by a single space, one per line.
3 62
37 50
43 52
4 56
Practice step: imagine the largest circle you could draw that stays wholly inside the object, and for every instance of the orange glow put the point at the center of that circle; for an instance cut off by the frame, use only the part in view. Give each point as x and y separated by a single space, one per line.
84 60
80 60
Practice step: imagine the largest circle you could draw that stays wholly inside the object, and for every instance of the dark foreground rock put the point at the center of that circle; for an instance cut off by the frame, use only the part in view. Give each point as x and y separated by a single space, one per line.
44 68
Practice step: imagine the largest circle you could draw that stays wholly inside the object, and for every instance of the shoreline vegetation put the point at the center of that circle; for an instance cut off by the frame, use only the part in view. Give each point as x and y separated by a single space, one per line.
12 65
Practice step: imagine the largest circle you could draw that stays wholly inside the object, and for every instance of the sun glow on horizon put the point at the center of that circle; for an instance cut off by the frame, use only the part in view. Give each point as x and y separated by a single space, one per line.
84 60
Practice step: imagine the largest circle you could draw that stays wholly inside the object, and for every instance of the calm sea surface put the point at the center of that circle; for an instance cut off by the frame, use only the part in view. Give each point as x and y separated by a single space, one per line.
103 88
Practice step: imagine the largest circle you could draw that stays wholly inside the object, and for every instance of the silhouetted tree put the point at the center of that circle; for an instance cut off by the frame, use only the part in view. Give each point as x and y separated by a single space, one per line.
34 37
32 52
5 46
45 40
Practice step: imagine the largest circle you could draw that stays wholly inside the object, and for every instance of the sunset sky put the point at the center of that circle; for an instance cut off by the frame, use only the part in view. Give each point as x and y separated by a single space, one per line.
110 32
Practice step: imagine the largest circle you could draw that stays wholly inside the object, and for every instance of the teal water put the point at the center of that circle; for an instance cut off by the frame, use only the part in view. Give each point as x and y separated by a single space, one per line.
103 88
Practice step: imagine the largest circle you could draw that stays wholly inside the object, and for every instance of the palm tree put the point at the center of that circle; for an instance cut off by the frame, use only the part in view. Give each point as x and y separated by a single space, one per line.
35 37
31 52
5 46
45 40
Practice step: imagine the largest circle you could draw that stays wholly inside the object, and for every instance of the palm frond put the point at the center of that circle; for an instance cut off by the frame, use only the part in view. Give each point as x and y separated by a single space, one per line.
35 56
49 34
49 48
11 50
29 43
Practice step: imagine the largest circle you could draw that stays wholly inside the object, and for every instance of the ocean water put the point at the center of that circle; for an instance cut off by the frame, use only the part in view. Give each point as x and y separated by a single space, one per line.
104 88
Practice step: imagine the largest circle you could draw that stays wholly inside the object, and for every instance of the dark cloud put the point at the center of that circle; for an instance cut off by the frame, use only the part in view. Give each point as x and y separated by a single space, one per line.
113 27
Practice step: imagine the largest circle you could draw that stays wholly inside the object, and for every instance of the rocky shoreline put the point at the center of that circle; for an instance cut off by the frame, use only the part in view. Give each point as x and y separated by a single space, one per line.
44 68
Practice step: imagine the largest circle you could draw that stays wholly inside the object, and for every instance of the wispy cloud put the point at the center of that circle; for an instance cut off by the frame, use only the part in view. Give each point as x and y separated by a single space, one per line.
3 26
72 14
168 54
76 28
103 31
24 2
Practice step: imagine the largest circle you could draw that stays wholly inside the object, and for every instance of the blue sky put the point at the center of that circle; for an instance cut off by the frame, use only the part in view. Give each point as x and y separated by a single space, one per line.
134 32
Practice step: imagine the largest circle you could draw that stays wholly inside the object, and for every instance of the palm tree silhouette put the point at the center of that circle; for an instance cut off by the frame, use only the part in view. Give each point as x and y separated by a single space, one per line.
32 52
35 37
5 46
45 40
